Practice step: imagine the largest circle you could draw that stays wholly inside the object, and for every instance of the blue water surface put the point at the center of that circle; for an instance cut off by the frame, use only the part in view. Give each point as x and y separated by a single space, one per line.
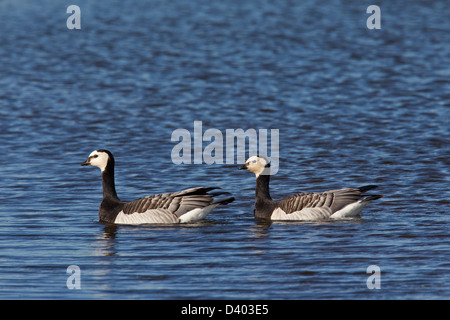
353 107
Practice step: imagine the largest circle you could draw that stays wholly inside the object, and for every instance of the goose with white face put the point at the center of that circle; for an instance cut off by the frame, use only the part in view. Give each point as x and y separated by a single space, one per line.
257 165
97 159
339 203
184 206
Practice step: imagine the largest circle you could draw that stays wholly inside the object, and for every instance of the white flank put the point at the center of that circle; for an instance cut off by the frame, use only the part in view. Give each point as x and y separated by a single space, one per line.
197 214
147 217
350 210
304 214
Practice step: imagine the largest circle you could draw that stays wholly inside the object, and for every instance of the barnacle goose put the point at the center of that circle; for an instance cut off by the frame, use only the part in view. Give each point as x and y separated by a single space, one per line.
340 203
179 207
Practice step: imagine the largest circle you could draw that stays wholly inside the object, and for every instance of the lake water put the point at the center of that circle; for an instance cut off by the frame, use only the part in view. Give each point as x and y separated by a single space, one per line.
353 106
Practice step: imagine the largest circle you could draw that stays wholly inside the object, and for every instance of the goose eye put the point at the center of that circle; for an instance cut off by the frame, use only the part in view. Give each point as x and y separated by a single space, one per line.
254 161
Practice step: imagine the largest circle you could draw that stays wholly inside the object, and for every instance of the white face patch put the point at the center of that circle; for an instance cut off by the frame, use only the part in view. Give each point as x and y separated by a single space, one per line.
256 165
98 159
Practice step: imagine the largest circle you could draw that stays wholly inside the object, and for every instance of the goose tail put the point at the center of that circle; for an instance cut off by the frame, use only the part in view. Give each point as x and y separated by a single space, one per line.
369 197
224 201
372 197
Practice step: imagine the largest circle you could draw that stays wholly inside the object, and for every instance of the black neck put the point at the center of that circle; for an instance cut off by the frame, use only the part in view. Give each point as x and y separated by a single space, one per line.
262 187
109 187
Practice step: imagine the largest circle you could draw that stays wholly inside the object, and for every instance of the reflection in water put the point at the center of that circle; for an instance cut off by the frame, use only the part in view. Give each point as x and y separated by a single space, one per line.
109 231
107 240
260 229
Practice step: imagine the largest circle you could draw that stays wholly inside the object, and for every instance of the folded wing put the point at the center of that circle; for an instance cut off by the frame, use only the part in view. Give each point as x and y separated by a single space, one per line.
170 207
311 206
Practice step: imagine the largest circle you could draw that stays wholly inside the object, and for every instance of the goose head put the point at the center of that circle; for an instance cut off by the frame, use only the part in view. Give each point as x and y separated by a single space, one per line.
257 165
99 158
